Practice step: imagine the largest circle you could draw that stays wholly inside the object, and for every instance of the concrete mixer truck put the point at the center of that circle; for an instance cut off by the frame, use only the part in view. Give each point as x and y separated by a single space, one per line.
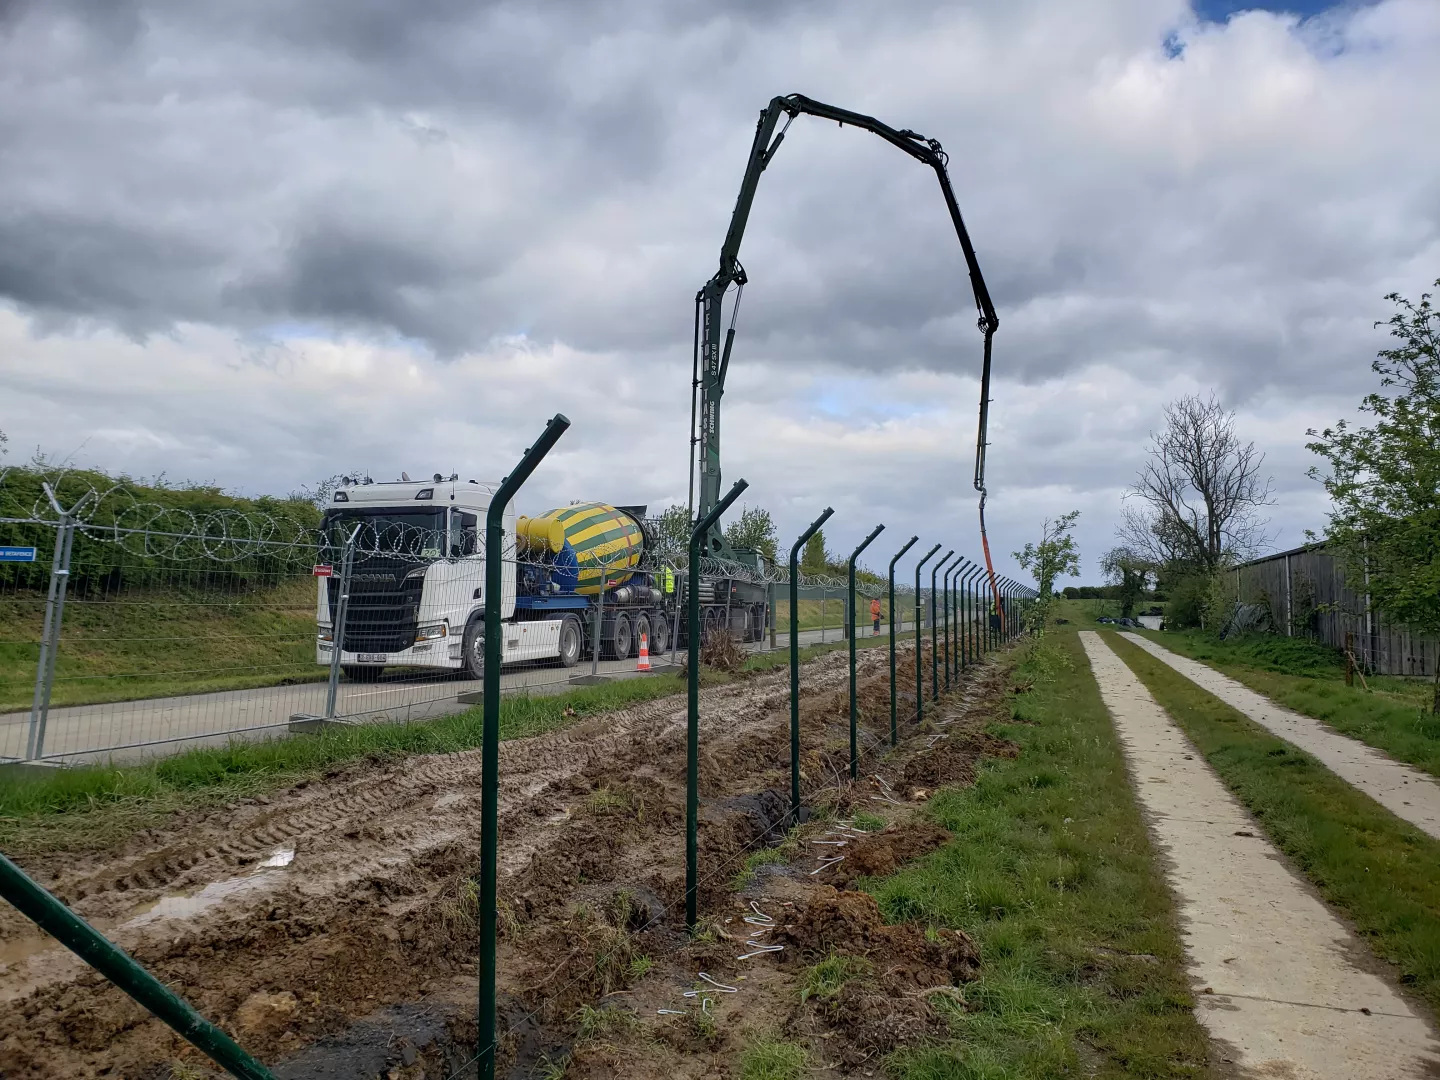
417 575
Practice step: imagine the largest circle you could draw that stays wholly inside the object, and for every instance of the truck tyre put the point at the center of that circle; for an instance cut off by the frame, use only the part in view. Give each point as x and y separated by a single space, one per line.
619 637
660 635
356 673
472 651
572 636
642 626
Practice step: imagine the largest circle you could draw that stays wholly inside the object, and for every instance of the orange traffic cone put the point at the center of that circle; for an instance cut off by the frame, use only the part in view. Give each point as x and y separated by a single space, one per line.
643 664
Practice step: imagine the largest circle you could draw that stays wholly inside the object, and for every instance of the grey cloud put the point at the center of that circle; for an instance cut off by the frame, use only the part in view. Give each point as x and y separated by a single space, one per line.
452 173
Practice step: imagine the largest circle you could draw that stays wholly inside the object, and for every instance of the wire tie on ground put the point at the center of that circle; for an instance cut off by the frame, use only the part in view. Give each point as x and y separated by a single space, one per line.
760 950
705 1005
719 985
831 843
825 864
669 1012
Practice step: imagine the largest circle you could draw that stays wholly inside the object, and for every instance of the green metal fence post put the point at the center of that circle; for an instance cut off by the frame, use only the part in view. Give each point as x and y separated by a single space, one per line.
972 598
945 602
854 751
894 618
111 961
959 601
490 727
920 640
692 697
795 661
935 627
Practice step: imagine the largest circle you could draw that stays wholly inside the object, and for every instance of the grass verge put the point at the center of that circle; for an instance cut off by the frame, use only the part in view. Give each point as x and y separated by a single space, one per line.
767 1058
92 805
1392 715
155 643
1051 873
1381 872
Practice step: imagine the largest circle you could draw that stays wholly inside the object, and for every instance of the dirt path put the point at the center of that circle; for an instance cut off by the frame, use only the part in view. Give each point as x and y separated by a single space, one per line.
1282 984
342 910
1404 790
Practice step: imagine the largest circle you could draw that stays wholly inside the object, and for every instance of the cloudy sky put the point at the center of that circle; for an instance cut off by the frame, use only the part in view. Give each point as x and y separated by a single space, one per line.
259 243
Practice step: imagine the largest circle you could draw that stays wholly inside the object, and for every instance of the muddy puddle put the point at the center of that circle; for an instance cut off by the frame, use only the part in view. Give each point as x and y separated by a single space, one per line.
331 927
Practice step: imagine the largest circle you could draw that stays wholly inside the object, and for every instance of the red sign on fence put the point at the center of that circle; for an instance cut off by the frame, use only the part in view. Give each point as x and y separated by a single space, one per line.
323 570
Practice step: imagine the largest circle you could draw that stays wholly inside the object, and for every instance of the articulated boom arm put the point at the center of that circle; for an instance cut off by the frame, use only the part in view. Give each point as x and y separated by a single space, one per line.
712 359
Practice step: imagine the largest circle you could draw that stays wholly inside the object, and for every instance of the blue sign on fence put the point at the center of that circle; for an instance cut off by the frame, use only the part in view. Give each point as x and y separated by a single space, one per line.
17 554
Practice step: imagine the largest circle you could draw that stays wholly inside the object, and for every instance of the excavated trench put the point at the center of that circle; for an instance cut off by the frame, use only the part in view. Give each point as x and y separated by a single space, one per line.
331 926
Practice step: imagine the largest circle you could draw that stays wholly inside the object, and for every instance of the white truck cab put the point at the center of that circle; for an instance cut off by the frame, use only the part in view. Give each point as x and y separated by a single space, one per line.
417 579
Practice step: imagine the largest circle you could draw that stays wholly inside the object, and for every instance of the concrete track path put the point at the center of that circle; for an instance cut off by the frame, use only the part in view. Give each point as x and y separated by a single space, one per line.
1282 985
1404 790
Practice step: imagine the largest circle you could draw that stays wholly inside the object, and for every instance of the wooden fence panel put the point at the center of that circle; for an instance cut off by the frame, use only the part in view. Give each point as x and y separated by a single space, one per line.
1308 596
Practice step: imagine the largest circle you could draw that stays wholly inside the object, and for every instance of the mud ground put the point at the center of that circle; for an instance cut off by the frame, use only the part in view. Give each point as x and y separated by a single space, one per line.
331 926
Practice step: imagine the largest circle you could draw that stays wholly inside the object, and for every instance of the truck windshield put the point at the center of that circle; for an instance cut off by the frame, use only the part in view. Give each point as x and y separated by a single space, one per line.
415 533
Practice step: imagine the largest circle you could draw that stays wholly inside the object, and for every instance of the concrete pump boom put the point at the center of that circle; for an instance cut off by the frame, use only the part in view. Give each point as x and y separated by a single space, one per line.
712 358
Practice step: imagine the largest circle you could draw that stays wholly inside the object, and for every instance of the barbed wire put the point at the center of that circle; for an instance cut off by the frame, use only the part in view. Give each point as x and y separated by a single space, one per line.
154 531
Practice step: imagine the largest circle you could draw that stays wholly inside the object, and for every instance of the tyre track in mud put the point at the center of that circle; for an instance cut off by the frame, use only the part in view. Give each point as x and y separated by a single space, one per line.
364 912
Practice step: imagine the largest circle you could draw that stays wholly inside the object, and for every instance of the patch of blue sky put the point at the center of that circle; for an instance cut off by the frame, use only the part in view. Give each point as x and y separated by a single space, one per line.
854 398
1221 10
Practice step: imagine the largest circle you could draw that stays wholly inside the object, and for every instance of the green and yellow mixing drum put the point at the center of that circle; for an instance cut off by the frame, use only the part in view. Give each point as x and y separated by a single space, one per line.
598 535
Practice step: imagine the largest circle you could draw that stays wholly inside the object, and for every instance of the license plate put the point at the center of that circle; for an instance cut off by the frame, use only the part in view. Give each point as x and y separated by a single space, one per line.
372 658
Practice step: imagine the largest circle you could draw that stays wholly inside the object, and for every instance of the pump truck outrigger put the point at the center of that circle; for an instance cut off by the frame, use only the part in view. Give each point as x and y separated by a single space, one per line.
712 358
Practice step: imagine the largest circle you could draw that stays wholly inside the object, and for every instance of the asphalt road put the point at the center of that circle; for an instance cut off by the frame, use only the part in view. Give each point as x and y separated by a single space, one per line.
132 730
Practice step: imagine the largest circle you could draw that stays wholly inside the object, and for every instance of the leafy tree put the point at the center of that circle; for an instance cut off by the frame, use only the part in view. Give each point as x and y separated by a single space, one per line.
674 527
753 530
1199 494
1056 555
815 559
1130 572
1384 479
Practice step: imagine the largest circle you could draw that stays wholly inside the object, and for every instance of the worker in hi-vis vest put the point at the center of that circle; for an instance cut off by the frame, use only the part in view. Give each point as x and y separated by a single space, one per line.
875 617
669 581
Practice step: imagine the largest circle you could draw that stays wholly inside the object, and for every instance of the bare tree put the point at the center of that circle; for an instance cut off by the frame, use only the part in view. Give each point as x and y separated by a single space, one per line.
1200 493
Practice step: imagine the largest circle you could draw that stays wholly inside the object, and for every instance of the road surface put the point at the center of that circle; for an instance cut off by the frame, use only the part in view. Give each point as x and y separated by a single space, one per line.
131 730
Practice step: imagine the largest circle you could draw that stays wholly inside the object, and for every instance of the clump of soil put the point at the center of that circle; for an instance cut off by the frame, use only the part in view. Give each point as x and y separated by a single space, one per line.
874 1022
905 956
880 854
953 760
719 651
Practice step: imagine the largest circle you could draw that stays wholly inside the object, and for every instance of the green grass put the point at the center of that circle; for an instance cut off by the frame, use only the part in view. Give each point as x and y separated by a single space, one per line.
867 822
92 805
830 614
1051 873
97 803
1392 715
1383 873
154 643
756 859
767 1058
825 979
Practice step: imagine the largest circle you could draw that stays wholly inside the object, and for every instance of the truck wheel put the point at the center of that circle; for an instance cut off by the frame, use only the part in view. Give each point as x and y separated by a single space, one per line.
642 626
660 639
362 674
620 637
571 636
472 652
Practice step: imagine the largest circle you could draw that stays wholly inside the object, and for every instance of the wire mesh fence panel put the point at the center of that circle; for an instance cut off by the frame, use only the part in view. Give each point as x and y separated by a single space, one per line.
181 627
